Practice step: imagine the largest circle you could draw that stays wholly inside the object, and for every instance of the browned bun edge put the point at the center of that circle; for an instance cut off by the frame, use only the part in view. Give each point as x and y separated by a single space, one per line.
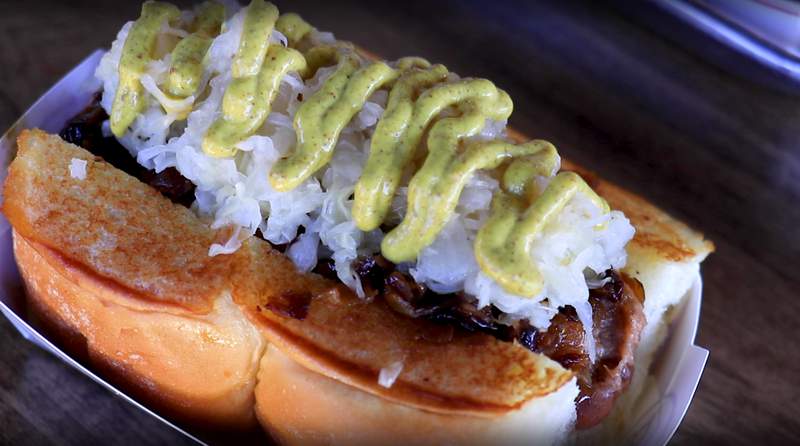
447 371
299 406
197 369
198 362
112 224
545 375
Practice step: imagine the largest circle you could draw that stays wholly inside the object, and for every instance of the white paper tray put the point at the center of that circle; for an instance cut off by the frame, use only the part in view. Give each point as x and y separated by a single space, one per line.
662 405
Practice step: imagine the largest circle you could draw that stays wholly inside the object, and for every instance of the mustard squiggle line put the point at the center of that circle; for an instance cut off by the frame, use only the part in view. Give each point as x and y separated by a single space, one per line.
418 96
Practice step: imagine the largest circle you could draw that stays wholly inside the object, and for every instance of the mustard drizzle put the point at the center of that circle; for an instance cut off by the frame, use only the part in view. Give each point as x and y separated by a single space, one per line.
137 53
186 71
418 94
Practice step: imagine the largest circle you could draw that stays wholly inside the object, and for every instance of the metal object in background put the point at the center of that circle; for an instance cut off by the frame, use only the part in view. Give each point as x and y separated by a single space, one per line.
756 39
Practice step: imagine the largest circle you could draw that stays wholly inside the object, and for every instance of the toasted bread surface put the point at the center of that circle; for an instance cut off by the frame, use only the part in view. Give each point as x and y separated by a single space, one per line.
119 239
198 368
121 245
111 223
302 407
443 370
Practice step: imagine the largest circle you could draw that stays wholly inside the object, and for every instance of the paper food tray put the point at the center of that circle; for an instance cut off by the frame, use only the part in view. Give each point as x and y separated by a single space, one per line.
661 406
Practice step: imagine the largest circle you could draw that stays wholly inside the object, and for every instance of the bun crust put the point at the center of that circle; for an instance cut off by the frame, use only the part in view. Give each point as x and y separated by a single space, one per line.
445 371
302 407
123 276
197 368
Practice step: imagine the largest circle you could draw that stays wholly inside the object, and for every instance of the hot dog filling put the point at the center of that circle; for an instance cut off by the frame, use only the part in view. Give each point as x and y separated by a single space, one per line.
85 130
617 315
617 304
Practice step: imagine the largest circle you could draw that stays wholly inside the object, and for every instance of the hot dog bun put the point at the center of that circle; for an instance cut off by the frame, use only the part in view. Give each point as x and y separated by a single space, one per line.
123 274
107 259
334 407
299 406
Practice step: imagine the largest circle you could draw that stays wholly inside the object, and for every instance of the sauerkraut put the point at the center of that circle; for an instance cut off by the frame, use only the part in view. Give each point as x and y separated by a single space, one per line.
235 192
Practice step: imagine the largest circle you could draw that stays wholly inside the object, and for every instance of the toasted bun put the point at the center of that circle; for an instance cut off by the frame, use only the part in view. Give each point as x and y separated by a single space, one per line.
197 361
470 394
124 273
440 369
299 406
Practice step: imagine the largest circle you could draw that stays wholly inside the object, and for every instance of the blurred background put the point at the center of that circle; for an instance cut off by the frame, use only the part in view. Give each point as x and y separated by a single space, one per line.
692 104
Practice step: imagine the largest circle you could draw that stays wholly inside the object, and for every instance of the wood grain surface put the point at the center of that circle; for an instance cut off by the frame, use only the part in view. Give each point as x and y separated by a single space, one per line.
714 149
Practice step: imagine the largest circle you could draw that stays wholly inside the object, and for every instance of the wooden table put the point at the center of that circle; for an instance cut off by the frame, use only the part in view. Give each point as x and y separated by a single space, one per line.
716 150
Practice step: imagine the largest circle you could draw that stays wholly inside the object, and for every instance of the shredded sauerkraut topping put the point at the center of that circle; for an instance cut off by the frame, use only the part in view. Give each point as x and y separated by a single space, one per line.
235 191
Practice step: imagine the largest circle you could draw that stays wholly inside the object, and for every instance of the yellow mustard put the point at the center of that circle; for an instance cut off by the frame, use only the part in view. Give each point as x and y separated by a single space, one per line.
503 244
137 51
257 72
396 138
248 100
433 191
293 27
186 71
258 24
423 107
321 118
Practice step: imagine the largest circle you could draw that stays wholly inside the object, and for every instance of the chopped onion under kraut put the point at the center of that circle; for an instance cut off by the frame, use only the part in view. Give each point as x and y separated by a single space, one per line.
235 193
